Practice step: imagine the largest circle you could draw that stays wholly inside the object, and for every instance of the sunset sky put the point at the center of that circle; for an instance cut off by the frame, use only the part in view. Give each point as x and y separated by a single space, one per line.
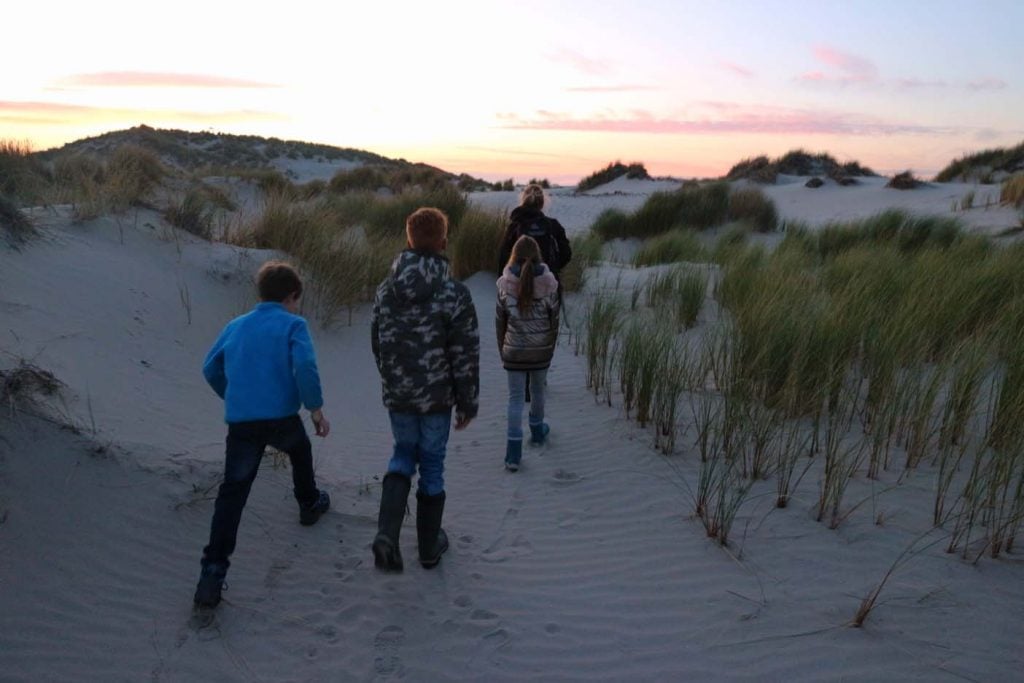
546 89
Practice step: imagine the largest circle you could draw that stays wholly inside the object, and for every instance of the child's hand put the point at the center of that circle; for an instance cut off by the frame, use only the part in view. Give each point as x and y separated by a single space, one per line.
461 421
320 423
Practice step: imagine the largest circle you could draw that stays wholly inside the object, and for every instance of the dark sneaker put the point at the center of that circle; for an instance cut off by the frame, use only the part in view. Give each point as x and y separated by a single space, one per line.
310 513
211 583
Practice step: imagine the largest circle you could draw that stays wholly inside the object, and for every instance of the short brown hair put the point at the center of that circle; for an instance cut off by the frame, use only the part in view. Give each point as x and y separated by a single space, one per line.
277 280
427 229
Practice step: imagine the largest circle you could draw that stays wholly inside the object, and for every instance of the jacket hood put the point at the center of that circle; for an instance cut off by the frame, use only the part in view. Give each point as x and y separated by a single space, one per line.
525 213
544 283
416 276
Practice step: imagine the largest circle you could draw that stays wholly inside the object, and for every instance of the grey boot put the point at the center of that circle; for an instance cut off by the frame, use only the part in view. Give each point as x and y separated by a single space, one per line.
393 500
432 539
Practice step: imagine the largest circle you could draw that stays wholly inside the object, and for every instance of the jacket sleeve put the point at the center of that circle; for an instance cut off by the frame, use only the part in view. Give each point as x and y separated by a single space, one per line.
500 321
375 330
463 349
213 366
564 247
303 357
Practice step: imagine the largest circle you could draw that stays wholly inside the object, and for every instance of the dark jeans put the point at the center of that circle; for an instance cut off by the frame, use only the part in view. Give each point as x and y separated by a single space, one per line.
421 441
245 445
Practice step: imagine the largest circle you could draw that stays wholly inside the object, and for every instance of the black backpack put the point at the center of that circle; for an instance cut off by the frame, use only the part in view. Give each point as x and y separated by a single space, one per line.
539 229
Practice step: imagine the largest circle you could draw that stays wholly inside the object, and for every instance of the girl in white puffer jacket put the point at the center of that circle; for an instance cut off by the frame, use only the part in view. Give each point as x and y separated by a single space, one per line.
526 323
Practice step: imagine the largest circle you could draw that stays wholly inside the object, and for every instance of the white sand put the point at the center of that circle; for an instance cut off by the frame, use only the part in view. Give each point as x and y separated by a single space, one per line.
303 170
816 207
586 565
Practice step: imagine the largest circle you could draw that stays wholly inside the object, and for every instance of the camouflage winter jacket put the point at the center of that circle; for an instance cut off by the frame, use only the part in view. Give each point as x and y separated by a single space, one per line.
425 338
526 338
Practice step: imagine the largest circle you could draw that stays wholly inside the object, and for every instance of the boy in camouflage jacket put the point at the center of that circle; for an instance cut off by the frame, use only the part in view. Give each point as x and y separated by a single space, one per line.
427 347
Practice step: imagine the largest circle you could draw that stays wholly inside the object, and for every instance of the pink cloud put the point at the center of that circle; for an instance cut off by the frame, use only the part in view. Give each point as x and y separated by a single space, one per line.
728 118
735 68
986 84
855 67
852 69
612 88
154 79
580 62
41 107
919 83
59 112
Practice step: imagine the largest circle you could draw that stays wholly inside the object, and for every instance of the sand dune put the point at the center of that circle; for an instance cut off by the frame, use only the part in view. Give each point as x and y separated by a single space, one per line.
586 565
577 212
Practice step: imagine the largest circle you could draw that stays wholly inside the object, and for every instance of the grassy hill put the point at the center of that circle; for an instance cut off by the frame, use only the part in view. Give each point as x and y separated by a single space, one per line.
798 162
196 150
987 166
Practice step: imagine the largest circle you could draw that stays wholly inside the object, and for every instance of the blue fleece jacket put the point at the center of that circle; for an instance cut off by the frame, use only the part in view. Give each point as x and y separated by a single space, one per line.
264 366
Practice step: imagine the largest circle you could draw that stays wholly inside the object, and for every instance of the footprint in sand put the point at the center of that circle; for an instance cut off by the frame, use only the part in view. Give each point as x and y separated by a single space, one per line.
328 633
386 644
483 615
500 551
497 637
279 567
566 477
463 601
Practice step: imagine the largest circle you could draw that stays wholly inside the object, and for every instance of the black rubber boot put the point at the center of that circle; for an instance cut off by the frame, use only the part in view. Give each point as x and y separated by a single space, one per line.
393 500
433 541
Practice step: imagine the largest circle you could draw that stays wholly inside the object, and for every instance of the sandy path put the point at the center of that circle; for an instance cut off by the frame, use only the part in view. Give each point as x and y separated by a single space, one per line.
585 565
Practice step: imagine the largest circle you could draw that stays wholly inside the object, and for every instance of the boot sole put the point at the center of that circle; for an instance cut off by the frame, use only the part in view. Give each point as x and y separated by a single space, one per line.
386 556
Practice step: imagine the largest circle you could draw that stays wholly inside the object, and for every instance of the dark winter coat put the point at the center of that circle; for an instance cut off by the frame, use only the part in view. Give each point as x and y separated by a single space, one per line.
526 339
553 231
425 338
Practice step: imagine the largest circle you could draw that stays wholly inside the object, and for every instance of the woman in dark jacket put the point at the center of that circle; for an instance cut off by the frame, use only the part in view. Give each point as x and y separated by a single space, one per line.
528 219
527 326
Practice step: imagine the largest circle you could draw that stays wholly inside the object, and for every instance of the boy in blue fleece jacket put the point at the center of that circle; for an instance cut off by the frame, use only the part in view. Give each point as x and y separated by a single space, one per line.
264 367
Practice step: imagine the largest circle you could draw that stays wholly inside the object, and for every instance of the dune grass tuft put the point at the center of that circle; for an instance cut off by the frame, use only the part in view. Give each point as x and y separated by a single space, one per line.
586 251
614 170
1012 191
677 245
15 223
903 181
196 213
474 242
980 165
695 206
23 179
752 205
612 224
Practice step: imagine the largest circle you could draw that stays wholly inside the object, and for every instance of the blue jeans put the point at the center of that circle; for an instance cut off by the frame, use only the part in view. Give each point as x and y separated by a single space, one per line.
421 440
245 444
517 399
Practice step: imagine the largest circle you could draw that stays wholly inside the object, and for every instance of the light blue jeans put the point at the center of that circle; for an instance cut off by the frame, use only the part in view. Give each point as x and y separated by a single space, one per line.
421 440
517 399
